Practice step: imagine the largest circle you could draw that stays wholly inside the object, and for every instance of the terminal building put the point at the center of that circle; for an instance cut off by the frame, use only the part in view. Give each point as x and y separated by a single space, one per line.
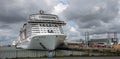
103 42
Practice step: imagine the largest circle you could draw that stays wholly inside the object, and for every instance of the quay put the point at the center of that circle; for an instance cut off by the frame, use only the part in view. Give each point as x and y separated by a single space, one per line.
117 57
8 52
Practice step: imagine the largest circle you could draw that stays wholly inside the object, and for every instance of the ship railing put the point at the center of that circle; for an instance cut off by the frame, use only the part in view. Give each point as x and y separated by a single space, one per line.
46 21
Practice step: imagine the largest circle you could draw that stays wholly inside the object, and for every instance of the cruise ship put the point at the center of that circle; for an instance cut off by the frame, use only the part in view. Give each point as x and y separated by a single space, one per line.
42 31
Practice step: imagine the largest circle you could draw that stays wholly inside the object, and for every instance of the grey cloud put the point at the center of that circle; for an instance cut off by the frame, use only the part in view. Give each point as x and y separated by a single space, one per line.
87 14
90 13
90 24
5 27
115 27
6 40
12 11
82 11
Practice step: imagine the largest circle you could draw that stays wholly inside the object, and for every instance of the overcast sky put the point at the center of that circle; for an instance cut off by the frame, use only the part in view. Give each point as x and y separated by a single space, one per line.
94 16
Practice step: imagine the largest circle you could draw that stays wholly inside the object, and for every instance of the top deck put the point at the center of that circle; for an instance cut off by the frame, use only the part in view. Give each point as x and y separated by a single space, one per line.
42 16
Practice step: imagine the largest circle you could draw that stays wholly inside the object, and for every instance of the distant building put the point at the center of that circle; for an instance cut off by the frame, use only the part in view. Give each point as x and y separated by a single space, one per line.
75 43
103 42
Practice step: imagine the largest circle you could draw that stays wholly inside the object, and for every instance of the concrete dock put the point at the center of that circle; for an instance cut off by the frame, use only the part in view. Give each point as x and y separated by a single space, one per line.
11 52
117 57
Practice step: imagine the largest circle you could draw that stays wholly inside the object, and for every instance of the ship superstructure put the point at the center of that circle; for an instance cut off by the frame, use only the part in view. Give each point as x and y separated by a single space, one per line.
42 31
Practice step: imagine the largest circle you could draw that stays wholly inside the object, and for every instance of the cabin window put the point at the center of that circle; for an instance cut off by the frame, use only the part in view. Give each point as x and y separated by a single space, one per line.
55 25
50 25
43 25
47 25
40 24
50 31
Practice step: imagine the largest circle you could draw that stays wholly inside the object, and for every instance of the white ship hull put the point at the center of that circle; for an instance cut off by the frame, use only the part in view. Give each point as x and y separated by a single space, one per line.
42 31
43 42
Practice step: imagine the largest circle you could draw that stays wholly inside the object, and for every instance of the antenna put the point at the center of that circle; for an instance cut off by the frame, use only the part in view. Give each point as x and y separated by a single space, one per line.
41 12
